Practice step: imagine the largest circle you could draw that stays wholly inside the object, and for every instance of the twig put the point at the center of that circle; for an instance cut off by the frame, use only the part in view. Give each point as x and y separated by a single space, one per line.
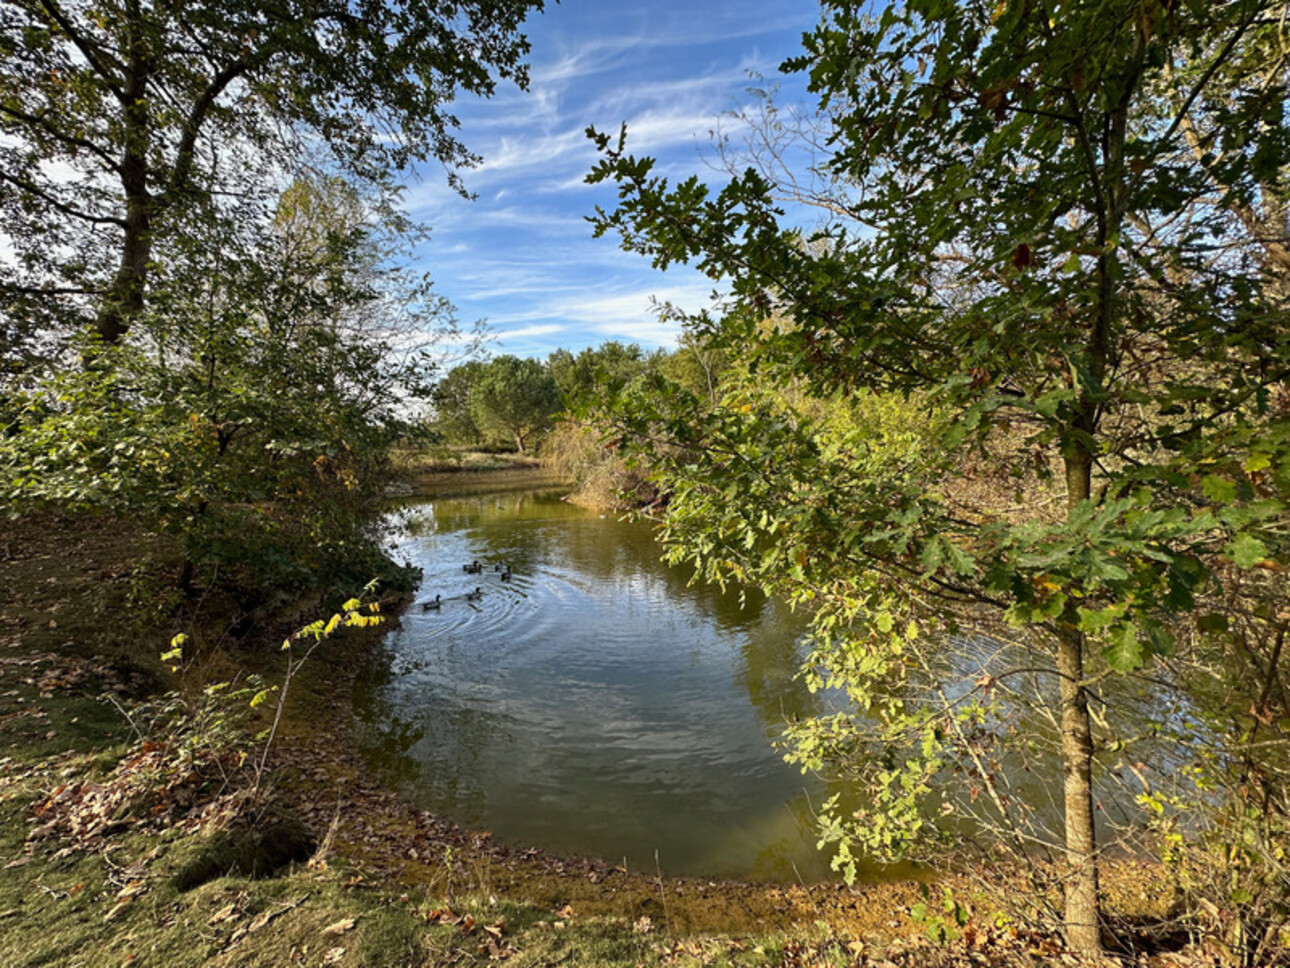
658 870
125 713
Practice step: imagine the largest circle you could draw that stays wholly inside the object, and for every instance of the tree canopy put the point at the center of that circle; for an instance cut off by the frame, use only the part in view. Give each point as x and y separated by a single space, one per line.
1055 227
119 120
251 415
516 396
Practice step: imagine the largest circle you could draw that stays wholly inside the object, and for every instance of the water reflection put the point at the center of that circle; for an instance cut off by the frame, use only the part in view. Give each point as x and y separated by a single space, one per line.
598 702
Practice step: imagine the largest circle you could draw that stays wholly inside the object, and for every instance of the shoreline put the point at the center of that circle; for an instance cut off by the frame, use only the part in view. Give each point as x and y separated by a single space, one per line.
394 861
389 835
409 845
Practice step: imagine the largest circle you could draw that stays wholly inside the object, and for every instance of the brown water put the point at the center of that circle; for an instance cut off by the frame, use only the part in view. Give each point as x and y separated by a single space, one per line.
596 703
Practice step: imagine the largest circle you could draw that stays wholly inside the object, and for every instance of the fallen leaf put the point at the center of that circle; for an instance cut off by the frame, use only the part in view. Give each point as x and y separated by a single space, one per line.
333 955
340 927
132 889
223 914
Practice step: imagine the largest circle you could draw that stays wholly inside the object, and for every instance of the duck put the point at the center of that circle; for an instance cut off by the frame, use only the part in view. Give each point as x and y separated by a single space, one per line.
476 595
431 606
474 568
507 574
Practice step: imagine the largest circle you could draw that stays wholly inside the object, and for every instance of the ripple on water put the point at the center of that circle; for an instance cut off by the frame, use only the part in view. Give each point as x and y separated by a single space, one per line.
596 703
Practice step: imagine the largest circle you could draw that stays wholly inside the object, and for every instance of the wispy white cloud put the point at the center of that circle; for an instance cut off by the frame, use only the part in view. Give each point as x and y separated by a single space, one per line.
522 255
534 150
634 307
528 332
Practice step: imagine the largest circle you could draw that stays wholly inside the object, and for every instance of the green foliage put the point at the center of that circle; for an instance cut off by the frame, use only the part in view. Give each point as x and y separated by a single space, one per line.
120 120
698 368
946 925
1023 215
219 719
252 414
587 375
452 418
514 396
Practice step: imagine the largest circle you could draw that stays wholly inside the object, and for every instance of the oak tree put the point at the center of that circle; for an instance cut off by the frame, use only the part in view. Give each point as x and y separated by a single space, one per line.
514 396
1054 228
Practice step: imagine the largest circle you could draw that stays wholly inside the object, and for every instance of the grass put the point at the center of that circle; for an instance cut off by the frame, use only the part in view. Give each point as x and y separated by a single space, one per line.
121 906
450 460
81 628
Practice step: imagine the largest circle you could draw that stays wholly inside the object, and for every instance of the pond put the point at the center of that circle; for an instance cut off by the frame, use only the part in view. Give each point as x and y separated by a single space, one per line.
596 703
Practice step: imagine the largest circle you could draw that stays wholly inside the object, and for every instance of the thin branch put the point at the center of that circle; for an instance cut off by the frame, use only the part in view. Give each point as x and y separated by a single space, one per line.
92 54
62 206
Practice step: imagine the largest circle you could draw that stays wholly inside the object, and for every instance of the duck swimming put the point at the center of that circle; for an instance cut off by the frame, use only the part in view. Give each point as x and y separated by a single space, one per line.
474 568
507 574
431 606
476 595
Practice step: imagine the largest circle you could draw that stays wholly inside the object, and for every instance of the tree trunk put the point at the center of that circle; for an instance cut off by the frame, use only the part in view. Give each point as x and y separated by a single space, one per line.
1083 931
1082 917
519 443
124 298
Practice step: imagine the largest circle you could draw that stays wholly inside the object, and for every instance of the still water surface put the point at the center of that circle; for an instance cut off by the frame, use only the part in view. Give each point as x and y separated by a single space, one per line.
596 703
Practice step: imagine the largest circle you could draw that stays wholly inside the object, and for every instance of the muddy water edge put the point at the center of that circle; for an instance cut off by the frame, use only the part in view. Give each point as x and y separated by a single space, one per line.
333 783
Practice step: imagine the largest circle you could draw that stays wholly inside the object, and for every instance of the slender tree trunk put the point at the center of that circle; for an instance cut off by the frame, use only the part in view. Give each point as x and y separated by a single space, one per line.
1083 929
1082 916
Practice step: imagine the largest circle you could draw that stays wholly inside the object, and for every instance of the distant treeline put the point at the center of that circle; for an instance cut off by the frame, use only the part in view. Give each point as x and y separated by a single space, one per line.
512 403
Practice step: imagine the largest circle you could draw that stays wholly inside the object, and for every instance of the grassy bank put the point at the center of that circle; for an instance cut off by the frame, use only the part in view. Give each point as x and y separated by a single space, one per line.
137 826
449 472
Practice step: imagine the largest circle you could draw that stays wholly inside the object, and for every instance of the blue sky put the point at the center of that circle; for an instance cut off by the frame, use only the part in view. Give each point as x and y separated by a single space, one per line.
521 254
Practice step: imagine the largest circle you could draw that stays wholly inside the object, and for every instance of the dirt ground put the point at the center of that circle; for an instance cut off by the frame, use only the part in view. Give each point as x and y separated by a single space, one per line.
85 612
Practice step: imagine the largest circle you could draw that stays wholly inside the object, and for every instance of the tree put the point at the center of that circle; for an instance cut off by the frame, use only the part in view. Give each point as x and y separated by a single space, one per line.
1022 241
121 120
250 414
578 376
514 395
696 367
453 417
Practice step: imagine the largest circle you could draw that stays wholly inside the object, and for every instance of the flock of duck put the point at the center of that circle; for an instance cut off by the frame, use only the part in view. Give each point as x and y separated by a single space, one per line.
502 570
